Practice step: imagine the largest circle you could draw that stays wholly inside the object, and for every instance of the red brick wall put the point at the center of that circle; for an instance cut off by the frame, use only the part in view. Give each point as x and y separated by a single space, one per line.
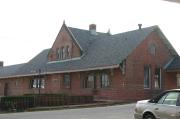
131 86
171 80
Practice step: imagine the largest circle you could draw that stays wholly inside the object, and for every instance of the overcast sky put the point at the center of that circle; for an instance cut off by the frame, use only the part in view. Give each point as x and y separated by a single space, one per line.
29 26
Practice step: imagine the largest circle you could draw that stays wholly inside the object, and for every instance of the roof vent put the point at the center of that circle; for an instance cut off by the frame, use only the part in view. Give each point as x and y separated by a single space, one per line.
1 63
140 26
92 29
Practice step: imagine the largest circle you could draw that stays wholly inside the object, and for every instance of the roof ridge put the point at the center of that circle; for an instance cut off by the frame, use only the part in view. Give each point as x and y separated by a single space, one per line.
84 29
12 65
153 27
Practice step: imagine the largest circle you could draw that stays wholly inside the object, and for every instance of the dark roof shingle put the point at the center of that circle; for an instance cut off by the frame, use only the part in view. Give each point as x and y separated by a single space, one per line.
174 65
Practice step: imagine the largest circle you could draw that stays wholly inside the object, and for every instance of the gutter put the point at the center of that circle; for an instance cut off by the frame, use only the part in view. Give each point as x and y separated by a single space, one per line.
68 71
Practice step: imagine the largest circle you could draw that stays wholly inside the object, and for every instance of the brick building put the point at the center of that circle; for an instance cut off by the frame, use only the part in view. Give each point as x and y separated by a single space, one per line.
127 66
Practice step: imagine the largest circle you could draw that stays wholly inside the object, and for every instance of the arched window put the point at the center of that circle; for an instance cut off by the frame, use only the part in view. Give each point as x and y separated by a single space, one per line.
67 52
58 53
152 49
63 53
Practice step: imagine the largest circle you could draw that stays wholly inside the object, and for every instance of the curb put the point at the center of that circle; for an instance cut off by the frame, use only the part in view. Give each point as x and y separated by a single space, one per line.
77 106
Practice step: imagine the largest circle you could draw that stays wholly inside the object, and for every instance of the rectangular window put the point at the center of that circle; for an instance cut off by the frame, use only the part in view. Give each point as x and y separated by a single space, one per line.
42 83
67 81
89 82
171 98
67 52
123 66
105 82
37 83
147 76
57 53
63 53
17 83
158 77
178 80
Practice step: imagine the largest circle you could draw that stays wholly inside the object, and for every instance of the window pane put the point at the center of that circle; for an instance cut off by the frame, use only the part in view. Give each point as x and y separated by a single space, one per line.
67 52
162 99
171 98
147 76
57 53
42 83
63 53
152 49
34 83
67 81
90 81
104 81
157 78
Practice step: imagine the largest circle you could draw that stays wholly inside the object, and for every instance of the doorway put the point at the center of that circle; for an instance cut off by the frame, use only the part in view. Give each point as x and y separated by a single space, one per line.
6 87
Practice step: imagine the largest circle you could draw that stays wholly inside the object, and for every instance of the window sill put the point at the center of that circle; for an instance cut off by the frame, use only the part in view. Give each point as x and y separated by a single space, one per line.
157 88
105 87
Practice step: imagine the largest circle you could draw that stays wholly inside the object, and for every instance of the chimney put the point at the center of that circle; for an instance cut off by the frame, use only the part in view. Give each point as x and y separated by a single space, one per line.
1 64
140 25
109 32
92 29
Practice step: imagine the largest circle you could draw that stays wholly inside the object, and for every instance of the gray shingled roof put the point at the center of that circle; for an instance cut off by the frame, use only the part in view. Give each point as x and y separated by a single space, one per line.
10 70
174 65
33 66
106 50
98 51
84 37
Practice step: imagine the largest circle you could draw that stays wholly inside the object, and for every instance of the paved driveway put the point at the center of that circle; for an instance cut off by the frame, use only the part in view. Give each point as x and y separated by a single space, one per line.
109 112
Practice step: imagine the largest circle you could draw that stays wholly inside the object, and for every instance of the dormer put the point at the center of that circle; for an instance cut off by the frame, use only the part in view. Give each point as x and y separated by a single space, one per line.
65 46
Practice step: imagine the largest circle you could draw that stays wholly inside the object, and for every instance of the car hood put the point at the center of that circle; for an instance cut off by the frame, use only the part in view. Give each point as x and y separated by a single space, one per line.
143 101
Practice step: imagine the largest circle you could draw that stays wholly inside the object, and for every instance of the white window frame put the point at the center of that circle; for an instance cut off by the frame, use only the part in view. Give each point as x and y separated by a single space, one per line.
36 83
105 82
158 79
89 82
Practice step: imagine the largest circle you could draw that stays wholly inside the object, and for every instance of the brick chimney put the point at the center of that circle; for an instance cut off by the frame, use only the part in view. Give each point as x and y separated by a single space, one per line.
1 63
140 26
92 29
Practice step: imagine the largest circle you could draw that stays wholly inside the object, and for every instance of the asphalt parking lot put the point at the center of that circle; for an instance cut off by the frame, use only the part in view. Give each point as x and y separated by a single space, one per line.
108 112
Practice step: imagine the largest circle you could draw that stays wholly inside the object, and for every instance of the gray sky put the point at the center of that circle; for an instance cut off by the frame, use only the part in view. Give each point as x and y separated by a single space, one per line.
29 26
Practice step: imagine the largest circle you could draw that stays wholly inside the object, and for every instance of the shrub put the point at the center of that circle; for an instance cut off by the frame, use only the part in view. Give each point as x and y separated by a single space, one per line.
23 102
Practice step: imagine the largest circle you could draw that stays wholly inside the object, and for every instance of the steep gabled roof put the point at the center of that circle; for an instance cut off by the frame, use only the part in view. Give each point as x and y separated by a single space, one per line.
107 50
100 52
84 37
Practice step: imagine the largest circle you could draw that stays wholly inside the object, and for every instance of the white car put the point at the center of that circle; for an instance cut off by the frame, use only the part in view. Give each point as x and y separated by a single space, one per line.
164 106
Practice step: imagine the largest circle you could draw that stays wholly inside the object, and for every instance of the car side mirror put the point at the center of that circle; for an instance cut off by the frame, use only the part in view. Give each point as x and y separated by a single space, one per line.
152 101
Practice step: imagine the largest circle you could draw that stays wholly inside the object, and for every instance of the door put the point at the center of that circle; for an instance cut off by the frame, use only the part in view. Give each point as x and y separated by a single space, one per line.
6 86
166 108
